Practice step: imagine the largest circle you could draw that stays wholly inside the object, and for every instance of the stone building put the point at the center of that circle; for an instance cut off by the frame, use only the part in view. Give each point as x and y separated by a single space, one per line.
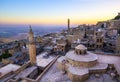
109 45
75 43
79 63
110 24
0 51
39 39
72 38
60 45
118 46
113 25
98 38
11 51
32 47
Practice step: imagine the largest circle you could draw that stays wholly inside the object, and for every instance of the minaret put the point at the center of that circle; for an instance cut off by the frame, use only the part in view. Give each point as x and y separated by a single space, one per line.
85 35
68 26
32 47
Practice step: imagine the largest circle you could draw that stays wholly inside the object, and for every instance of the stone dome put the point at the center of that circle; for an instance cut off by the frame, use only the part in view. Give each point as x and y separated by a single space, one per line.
81 47
80 50
87 60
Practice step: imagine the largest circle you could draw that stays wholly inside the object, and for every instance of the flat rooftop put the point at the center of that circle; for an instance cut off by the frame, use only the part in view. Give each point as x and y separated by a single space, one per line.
8 68
109 59
54 75
43 62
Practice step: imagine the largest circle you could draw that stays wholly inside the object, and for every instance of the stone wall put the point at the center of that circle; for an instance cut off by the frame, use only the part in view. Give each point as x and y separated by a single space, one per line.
82 64
72 38
97 71
77 78
60 66
22 68
6 75
6 61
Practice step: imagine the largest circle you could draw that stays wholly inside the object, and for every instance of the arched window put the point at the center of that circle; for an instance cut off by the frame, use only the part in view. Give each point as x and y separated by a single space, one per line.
80 52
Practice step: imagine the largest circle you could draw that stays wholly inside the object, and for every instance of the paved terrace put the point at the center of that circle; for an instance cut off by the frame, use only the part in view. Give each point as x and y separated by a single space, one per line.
110 60
43 62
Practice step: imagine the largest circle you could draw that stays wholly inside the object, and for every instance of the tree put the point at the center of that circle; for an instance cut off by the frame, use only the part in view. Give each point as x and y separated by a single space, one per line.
117 17
5 55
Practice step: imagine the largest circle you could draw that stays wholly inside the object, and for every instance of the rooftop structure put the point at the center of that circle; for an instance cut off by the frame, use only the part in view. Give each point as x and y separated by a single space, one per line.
79 63
43 62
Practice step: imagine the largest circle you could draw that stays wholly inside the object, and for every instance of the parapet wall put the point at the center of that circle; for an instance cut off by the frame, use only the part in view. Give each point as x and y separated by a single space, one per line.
77 78
6 75
22 68
82 64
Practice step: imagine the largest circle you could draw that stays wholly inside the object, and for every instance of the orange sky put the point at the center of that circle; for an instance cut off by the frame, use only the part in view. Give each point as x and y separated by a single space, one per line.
56 12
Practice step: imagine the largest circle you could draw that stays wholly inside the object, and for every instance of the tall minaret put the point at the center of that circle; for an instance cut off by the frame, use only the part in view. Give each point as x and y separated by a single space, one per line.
68 26
32 47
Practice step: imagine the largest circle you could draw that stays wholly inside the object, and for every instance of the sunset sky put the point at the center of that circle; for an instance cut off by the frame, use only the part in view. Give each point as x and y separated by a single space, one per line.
56 12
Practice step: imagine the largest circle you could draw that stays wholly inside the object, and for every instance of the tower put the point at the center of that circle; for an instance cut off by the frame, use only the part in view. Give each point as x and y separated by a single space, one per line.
32 47
68 26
